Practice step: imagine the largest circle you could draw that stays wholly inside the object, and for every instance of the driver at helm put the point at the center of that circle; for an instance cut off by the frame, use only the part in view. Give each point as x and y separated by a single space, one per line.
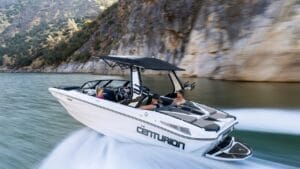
154 104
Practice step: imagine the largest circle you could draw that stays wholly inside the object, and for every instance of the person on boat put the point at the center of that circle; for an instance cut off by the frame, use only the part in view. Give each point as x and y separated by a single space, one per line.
179 99
100 93
154 104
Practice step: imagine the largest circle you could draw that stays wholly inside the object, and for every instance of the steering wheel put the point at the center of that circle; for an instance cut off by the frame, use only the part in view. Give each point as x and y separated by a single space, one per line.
123 93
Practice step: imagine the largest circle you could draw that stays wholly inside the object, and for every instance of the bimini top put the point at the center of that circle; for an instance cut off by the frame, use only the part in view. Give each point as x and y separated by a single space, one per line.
142 62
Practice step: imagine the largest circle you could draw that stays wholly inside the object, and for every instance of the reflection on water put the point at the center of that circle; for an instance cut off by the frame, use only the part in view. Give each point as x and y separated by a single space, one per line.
236 94
32 122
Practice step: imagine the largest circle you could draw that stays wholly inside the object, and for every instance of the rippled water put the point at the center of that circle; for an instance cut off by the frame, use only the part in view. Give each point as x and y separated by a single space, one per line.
32 123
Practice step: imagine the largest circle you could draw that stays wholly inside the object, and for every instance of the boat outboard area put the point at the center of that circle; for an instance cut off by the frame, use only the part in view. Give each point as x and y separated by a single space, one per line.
187 127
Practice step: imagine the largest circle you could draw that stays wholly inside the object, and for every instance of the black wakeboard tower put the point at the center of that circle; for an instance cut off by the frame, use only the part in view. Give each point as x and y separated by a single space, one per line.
136 64
126 62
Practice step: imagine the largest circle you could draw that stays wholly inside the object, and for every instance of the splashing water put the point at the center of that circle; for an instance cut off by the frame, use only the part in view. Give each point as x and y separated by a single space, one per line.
87 149
268 120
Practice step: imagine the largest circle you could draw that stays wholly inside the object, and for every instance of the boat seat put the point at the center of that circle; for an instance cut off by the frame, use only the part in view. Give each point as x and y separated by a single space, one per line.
207 125
212 127
109 94
202 122
183 117
217 115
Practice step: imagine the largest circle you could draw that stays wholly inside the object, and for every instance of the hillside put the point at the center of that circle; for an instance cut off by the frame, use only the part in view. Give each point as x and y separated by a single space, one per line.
30 29
231 40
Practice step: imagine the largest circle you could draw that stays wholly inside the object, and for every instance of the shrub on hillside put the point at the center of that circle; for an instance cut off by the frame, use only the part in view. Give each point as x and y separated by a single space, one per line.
82 56
22 61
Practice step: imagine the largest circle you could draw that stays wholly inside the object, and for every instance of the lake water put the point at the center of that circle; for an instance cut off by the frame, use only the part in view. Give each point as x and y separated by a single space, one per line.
33 123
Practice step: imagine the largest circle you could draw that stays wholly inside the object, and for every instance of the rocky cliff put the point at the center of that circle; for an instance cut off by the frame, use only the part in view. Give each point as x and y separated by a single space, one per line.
251 40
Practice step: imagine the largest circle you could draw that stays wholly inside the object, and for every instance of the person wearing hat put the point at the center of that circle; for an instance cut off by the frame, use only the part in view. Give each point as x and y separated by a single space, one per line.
154 104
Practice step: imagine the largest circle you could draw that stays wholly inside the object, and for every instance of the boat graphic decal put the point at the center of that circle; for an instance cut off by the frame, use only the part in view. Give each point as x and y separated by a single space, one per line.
160 137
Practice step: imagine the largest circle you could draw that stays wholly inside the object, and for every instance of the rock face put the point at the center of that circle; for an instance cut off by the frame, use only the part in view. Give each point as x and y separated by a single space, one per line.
231 40
159 28
253 41
250 40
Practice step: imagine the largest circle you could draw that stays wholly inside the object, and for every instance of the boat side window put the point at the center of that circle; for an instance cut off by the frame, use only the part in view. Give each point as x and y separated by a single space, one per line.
116 83
89 85
102 83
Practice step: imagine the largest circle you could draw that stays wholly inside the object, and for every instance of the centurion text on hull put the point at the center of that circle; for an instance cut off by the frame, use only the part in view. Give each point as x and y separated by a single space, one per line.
190 127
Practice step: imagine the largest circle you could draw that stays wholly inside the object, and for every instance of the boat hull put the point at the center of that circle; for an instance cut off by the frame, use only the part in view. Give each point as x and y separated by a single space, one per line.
128 124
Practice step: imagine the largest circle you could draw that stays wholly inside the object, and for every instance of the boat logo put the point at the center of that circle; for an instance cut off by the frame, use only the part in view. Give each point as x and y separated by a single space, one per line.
161 138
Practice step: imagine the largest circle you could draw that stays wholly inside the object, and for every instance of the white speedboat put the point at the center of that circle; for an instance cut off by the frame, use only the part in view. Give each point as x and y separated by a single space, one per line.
190 127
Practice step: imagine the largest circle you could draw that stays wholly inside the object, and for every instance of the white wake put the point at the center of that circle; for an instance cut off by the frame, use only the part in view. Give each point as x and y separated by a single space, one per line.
268 120
87 149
